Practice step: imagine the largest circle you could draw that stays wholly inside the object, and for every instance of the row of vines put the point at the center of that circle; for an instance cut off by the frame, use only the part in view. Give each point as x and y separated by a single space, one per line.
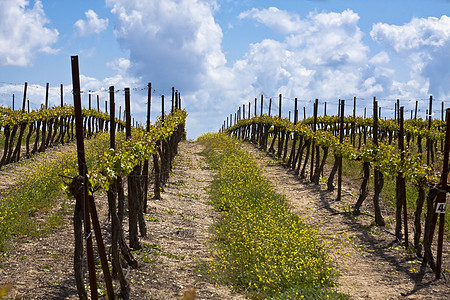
47 127
130 161
142 159
390 148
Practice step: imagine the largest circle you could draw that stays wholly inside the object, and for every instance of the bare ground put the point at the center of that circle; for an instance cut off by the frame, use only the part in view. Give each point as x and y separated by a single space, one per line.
178 232
373 264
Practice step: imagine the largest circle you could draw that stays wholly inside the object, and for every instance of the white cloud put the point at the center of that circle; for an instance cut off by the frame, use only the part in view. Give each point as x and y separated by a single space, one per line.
170 41
419 33
92 24
278 20
23 32
424 45
381 58
320 56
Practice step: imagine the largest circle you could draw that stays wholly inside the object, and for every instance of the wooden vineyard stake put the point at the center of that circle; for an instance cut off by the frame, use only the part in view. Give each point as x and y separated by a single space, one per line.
280 133
24 95
378 176
341 140
147 128
270 106
441 198
46 95
173 99
133 182
353 137
415 110
401 187
313 145
429 141
85 215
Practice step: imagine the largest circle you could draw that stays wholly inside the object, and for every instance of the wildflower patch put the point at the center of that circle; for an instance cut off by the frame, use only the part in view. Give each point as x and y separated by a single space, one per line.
260 247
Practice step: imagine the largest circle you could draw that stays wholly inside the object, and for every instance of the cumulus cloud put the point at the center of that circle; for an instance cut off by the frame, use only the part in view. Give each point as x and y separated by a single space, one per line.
170 41
322 56
424 44
92 24
278 20
23 32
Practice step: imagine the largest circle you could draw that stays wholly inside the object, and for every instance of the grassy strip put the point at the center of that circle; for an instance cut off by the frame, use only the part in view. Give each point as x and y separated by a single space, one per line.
38 190
261 248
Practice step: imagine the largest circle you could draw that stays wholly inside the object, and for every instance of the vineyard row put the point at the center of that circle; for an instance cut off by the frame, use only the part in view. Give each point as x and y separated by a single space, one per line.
394 148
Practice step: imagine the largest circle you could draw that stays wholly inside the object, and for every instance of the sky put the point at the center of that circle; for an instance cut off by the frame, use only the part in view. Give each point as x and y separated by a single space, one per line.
222 54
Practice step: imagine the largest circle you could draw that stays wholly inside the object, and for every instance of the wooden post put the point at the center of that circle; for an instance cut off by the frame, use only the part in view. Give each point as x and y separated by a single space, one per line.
325 109
279 107
377 174
429 141
149 104
262 100
147 128
270 106
46 95
127 114
24 95
401 144
415 111
89 93
173 98
249 108
441 198
341 140
62 95
339 108
311 172
112 122
295 109
83 172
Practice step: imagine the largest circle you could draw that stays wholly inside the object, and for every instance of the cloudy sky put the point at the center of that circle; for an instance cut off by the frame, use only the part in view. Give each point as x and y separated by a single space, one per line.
221 54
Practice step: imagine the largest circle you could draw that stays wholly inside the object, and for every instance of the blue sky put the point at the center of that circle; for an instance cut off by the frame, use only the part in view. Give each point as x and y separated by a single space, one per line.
222 54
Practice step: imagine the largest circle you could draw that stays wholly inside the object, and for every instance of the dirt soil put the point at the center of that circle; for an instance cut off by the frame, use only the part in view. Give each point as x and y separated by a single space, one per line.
373 264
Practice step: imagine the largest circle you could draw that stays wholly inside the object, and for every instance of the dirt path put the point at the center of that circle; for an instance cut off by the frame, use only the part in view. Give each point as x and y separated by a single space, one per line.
372 264
178 231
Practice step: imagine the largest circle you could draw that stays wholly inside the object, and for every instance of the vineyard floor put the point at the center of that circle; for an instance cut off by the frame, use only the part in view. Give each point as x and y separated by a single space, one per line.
177 225
372 263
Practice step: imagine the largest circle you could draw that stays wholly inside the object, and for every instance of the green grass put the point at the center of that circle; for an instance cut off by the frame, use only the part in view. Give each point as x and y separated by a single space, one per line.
260 247
38 191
